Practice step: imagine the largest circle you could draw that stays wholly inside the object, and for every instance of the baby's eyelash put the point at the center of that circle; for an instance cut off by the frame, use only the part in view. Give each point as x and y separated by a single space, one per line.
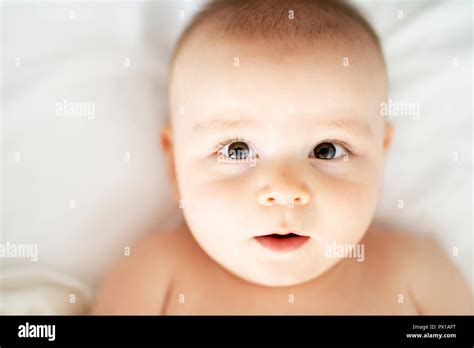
227 142
343 144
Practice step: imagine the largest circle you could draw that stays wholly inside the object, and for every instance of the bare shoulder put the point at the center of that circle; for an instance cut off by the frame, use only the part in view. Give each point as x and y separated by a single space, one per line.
139 282
433 280
398 247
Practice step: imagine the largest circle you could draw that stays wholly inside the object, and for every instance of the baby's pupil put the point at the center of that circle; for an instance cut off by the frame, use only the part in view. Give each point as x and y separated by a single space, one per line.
325 151
238 150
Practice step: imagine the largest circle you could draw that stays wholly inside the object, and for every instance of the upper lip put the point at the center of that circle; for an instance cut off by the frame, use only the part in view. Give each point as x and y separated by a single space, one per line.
282 233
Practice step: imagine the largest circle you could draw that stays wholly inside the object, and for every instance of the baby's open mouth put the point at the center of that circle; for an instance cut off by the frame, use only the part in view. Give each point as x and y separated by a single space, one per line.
282 242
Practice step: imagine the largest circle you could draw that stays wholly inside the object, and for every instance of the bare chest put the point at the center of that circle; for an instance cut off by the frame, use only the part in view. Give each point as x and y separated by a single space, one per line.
216 292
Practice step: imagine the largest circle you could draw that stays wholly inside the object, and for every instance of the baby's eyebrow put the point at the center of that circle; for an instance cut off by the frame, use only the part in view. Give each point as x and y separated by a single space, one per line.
221 125
355 126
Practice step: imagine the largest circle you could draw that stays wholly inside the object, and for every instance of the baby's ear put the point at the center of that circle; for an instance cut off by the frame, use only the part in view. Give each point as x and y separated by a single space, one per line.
165 135
388 135
166 142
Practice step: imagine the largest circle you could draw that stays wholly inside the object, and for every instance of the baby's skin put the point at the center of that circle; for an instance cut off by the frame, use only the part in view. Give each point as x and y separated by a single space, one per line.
276 154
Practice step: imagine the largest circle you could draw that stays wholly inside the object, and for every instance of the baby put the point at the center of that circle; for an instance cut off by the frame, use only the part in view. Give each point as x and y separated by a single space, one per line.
275 148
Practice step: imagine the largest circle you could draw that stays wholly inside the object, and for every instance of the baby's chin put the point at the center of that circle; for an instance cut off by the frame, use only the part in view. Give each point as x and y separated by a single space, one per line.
276 268
290 275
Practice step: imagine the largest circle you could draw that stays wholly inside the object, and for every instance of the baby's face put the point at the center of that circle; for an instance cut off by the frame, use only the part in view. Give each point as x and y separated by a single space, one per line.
268 140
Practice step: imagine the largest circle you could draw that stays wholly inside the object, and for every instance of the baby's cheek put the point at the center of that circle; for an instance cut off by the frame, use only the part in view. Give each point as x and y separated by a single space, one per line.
214 205
346 209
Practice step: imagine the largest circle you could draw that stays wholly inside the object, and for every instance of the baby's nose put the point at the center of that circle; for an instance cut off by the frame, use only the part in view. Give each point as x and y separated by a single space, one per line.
290 195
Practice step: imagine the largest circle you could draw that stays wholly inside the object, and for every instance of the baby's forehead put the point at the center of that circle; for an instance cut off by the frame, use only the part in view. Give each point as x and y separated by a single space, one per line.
222 77
223 57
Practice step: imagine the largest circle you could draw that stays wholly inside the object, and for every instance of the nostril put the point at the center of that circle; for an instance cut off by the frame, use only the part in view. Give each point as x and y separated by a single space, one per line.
288 196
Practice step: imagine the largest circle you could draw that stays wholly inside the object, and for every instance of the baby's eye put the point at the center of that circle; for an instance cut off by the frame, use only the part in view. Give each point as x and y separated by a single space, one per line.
237 150
328 151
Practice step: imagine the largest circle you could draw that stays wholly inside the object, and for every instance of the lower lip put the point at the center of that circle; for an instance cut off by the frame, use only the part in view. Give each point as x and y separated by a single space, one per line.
282 244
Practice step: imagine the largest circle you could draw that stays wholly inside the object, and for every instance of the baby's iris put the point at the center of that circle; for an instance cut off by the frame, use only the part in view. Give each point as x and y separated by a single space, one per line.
328 151
324 151
238 150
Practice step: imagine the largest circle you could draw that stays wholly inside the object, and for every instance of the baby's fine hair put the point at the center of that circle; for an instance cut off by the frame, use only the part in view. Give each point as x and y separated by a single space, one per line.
333 22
